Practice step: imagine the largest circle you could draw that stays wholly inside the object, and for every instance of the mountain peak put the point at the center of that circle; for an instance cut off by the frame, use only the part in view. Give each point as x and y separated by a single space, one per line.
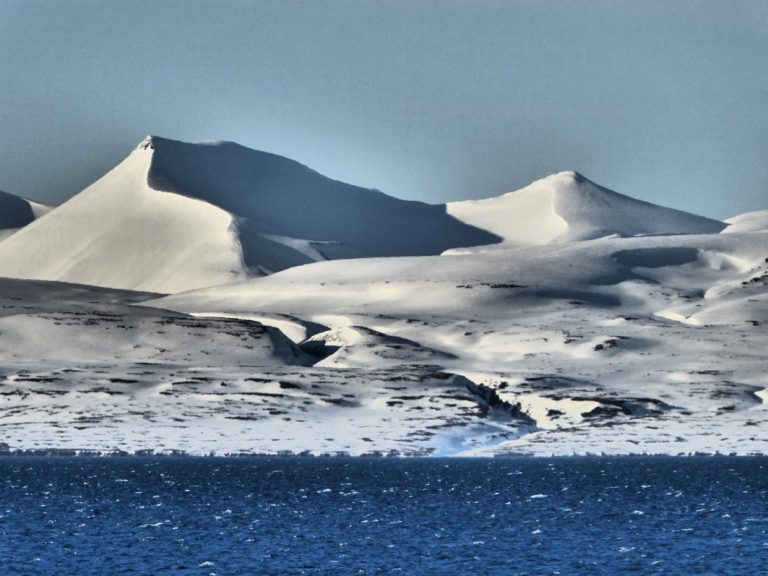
175 216
567 178
567 206
147 143
568 174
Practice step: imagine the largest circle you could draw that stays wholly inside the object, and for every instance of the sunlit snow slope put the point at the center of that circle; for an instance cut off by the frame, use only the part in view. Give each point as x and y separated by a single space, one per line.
750 222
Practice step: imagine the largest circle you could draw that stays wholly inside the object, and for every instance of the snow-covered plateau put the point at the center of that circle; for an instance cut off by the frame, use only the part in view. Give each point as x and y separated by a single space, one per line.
208 298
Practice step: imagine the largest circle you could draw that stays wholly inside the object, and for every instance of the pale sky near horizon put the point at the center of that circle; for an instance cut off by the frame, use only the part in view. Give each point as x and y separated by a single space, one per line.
666 101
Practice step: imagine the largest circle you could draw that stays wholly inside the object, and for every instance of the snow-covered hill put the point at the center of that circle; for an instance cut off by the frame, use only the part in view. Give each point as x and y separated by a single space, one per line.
175 216
311 315
749 222
91 368
17 212
567 207
45 323
651 344
643 344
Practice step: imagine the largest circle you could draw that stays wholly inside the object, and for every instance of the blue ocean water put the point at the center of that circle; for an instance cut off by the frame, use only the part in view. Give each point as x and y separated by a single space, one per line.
263 516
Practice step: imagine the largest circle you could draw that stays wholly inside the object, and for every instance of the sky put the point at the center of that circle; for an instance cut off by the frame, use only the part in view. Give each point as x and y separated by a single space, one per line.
428 100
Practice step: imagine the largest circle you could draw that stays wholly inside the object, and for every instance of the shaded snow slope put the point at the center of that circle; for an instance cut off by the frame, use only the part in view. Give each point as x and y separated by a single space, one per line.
566 207
17 212
749 222
278 200
175 216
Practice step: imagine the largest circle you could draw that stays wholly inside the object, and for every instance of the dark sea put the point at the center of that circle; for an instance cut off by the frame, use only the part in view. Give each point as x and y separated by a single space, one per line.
262 516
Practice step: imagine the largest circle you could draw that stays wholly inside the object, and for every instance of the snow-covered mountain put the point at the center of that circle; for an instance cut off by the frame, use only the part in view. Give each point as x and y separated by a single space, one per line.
567 207
311 315
175 216
17 212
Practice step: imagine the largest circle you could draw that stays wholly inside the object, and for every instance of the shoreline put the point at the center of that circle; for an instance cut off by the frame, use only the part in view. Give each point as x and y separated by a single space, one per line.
54 453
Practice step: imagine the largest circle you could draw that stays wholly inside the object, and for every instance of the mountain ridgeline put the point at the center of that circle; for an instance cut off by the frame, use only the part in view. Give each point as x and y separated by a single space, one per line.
273 195
175 216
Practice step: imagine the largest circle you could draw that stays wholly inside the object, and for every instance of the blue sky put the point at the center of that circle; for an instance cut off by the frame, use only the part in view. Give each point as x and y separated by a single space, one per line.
666 101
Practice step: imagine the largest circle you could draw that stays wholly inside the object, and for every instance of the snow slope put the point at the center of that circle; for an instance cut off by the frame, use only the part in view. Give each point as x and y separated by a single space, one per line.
51 323
119 232
17 212
749 222
175 216
567 207
91 368
618 345
646 344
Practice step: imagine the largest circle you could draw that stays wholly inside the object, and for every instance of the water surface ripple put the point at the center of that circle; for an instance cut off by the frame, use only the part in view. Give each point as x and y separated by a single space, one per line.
265 516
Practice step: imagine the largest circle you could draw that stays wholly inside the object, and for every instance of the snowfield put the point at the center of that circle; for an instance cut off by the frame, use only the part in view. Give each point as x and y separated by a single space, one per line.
650 344
563 318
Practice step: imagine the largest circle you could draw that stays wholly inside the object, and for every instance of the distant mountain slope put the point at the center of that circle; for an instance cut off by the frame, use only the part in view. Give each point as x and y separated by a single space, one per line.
17 212
566 207
122 234
175 216
750 222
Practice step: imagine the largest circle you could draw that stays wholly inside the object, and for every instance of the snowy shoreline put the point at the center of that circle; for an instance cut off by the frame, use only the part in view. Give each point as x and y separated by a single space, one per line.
54 453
